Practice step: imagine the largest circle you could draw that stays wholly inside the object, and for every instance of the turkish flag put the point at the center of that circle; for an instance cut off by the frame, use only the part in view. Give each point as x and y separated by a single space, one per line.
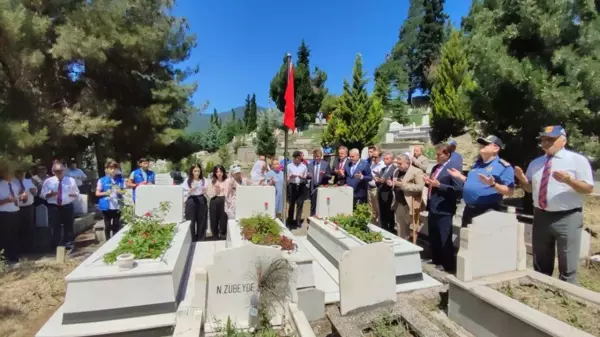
289 116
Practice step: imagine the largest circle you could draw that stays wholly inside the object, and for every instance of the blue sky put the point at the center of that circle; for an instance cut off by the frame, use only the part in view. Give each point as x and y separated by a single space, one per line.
241 43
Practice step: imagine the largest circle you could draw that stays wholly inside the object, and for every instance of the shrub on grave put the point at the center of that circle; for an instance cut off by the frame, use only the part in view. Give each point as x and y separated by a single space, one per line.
147 238
264 230
357 224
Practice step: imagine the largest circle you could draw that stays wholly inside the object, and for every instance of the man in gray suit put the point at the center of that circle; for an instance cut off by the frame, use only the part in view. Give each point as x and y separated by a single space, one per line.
319 174
385 193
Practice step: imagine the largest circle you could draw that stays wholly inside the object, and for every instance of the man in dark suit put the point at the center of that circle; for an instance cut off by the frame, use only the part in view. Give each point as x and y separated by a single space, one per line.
338 166
443 192
358 175
385 193
319 174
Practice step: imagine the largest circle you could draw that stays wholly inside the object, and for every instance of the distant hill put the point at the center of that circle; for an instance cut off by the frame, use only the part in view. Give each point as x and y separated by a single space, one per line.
200 122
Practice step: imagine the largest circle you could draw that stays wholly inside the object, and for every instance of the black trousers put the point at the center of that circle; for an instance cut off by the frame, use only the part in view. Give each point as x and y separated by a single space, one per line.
9 235
386 214
196 212
26 228
61 220
358 201
440 240
218 217
297 197
313 201
112 222
472 211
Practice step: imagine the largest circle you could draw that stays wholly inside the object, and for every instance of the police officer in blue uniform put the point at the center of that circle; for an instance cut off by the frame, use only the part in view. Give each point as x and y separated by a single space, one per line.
487 182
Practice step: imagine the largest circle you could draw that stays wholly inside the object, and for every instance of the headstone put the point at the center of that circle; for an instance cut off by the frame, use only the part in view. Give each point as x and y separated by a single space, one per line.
489 246
395 126
364 153
305 153
232 280
149 197
41 216
312 302
332 201
425 120
389 138
253 200
80 205
163 179
367 277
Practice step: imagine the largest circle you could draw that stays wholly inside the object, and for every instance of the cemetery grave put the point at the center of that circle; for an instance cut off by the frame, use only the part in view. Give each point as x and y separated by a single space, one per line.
328 239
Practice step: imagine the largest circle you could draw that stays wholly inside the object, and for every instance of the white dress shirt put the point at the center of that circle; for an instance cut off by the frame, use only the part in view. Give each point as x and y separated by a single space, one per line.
76 174
69 186
560 196
195 190
298 171
376 170
5 192
27 185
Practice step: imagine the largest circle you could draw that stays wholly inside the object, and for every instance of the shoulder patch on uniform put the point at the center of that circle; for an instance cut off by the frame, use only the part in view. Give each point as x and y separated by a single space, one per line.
504 163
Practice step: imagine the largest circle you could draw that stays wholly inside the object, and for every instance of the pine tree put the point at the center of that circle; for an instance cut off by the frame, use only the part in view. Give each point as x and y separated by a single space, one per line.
453 82
303 55
355 122
266 143
252 115
430 39
247 113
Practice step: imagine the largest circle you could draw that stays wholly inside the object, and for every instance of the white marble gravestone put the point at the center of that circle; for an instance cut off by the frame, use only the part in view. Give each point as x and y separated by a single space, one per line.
367 277
80 205
41 216
163 179
395 126
494 243
253 200
389 138
232 280
425 120
364 153
332 201
149 197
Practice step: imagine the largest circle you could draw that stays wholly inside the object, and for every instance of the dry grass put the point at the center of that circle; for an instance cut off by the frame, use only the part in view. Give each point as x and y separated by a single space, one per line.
31 293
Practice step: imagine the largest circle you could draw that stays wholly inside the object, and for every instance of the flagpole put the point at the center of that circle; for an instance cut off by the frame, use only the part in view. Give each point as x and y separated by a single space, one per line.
285 157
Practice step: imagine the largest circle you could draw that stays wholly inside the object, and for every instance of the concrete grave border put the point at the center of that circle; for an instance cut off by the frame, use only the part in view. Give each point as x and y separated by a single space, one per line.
151 289
332 241
353 325
484 311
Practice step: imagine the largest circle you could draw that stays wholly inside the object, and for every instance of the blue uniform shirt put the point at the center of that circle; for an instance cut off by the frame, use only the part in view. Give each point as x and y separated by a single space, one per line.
475 192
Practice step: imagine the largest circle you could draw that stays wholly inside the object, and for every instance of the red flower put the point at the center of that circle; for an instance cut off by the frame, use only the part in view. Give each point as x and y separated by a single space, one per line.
266 204
328 198
148 214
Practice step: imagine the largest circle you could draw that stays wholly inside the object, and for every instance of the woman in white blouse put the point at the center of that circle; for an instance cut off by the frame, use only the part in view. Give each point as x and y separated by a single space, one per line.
196 205
218 217
27 191
9 214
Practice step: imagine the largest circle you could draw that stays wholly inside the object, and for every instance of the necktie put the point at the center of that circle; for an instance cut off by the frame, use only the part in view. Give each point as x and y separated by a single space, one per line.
59 196
341 164
433 176
316 175
543 195
23 190
12 194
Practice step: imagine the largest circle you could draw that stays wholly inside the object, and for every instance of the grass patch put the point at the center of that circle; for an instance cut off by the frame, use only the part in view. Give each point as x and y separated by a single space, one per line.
388 326
263 230
357 224
556 303
147 238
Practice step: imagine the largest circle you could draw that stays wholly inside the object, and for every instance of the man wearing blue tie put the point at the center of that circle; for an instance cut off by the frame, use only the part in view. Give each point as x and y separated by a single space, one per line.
358 175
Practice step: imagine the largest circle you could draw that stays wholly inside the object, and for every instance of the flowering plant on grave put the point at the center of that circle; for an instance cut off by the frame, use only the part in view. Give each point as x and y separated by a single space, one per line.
264 230
357 224
148 236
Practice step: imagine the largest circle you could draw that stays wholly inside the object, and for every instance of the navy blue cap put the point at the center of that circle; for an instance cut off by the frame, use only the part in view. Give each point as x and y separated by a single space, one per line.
491 139
553 131
452 142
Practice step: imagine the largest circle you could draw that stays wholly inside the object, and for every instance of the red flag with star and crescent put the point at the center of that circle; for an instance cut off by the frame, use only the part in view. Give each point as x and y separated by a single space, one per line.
289 116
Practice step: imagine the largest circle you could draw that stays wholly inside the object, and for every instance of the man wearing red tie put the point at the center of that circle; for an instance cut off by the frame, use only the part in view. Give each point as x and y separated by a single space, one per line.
558 181
339 166
60 192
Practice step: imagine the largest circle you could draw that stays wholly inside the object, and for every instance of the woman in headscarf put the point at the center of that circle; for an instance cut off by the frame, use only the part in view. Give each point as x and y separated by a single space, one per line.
274 177
257 175
235 179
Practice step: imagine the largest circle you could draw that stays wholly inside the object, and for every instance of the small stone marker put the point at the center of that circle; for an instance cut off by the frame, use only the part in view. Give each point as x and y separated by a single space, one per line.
232 280
80 205
60 254
41 216
254 200
332 201
149 197
367 277
490 246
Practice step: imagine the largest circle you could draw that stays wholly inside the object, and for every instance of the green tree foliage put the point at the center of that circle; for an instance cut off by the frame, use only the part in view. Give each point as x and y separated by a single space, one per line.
430 39
355 122
266 143
329 104
451 111
99 73
535 64
253 115
224 156
309 87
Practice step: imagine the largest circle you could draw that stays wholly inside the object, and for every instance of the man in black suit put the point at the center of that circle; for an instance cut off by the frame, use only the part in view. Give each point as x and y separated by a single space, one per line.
319 174
385 193
443 192
339 165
